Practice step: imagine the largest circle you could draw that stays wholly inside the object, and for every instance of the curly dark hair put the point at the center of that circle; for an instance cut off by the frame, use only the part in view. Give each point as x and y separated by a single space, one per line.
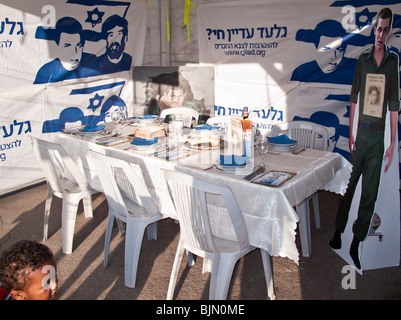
19 260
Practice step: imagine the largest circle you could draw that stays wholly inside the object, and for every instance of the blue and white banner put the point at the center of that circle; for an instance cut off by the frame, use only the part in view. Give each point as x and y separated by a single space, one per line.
62 63
290 59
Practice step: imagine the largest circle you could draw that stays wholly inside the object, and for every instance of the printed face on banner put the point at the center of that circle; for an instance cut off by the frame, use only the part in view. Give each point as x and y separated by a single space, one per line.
71 48
329 53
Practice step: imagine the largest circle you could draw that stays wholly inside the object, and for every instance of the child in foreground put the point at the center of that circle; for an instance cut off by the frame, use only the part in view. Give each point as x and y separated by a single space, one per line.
27 272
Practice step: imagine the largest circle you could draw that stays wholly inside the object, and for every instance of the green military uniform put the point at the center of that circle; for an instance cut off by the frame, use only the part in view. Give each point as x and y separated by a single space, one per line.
368 156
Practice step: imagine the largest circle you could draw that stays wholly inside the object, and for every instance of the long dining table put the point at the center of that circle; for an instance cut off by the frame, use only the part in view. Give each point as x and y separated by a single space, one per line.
269 212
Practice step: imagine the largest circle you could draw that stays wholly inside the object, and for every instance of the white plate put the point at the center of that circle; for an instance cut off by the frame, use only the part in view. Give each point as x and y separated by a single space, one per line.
282 147
93 132
146 121
205 132
233 166
235 169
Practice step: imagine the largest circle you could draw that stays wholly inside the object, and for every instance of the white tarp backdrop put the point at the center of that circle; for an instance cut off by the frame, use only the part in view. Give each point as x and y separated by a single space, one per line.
62 62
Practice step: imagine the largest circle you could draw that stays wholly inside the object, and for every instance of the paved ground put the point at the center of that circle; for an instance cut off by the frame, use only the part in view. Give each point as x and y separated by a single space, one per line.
82 276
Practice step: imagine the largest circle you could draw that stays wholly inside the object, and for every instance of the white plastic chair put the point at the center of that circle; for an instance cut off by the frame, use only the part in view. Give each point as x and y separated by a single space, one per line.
308 134
311 136
189 197
188 114
66 181
129 201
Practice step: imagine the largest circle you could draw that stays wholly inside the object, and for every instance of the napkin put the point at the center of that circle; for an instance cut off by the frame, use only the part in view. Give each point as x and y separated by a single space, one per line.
281 139
206 127
143 142
93 128
147 117
234 160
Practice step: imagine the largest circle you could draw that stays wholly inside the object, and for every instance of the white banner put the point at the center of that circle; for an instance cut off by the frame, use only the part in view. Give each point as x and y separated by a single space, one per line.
62 64
290 59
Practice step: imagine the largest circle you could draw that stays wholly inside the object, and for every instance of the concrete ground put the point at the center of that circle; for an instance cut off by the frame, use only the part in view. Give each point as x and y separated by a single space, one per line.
83 277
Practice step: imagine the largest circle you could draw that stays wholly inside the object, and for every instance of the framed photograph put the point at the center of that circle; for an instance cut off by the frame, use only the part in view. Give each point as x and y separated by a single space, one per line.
374 95
273 178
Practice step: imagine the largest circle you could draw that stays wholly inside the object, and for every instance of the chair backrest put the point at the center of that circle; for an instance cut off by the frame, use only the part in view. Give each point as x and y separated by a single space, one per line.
121 180
188 114
61 172
189 197
308 134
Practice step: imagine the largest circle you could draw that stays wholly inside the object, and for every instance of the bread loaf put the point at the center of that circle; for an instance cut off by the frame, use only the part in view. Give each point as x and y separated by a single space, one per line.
148 132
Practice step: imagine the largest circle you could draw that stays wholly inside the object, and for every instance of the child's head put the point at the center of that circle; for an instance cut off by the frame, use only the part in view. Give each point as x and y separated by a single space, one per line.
28 271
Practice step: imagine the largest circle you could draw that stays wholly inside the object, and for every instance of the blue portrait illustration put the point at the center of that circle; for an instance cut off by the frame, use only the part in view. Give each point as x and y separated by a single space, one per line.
74 117
330 64
71 61
115 32
69 117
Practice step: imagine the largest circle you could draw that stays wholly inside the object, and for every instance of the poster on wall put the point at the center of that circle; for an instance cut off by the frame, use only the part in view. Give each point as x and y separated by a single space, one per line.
159 88
296 60
63 64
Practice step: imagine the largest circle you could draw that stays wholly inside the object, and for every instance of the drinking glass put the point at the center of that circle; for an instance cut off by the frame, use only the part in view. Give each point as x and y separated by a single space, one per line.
263 147
177 124
115 117
123 113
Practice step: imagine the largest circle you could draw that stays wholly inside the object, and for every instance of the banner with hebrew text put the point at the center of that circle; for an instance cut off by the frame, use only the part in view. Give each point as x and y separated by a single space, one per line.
63 63
290 59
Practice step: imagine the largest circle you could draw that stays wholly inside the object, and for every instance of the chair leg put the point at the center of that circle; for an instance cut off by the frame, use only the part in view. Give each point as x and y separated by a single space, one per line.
48 204
315 200
121 227
268 273
88 210
207 265
152 231
107 238
176 268
190 259
69 215
220 279
133 243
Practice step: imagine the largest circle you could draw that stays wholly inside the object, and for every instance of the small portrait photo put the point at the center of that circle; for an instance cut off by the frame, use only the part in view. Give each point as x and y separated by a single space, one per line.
373 95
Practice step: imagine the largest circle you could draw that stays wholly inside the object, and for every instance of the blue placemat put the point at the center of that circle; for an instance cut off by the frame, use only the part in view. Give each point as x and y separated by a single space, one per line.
93 128
206 127
143 142
281 139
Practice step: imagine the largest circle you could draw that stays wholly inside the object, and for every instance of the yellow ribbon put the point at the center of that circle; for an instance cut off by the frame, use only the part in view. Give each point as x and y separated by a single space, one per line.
188 5
148 1
167 23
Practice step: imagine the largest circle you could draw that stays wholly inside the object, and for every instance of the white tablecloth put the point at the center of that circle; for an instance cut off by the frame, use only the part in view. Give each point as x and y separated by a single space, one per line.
269 215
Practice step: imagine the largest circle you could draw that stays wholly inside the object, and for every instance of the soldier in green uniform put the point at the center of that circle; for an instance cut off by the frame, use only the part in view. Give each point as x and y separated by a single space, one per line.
377 67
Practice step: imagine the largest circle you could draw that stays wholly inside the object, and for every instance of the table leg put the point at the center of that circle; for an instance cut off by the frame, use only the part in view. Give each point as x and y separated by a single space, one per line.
304 227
